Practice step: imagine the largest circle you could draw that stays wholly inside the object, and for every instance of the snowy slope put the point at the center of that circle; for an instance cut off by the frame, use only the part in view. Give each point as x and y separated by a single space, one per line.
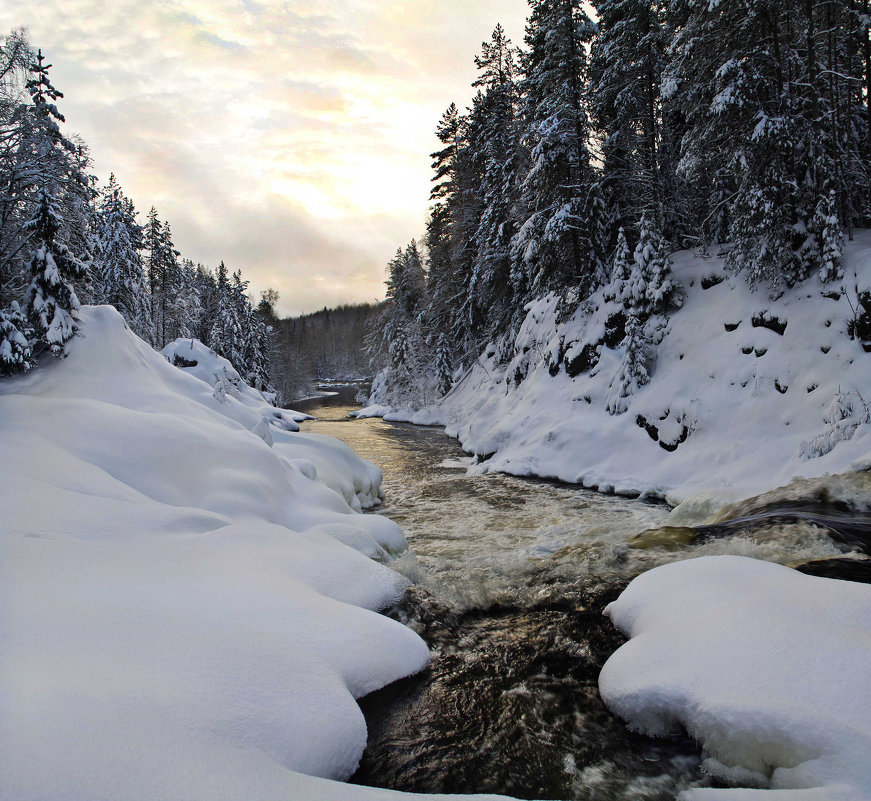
312 453
764 666
736 404
182 615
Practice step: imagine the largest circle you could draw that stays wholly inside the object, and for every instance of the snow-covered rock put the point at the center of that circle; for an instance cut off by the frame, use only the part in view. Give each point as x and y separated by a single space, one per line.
195 358
766 667
187 611
328 459
731 369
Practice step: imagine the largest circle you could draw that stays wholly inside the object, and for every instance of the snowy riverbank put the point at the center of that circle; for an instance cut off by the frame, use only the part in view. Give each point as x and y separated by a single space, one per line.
746 391
188 595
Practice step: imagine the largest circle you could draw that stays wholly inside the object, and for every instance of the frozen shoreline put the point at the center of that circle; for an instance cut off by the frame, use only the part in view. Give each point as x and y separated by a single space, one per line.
734 368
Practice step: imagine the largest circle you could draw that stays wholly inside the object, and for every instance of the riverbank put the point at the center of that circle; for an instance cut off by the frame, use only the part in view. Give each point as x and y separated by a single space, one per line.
511 579
188 594
746 391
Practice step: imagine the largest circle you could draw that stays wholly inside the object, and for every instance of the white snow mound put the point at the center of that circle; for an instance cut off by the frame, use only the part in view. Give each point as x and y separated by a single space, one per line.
328 459
182 615
766 667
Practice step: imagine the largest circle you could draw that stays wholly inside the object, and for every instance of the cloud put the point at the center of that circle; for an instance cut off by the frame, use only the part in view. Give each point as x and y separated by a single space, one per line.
290 137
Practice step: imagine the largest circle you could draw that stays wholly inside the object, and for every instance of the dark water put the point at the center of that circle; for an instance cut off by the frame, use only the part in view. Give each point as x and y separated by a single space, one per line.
511 577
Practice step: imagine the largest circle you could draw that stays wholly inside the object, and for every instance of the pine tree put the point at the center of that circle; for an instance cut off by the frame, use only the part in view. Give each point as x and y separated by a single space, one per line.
51 302
15 353
554 242
632 373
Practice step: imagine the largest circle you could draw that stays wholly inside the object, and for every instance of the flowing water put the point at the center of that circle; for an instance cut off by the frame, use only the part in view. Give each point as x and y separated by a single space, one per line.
510 578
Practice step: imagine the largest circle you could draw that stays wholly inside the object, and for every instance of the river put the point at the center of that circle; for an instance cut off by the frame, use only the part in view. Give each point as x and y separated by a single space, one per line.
510 577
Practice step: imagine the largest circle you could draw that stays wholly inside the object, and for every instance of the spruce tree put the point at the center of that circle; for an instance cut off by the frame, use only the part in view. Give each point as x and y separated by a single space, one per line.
121 280
15 353
494 146
51 303
626 65
831 239
554 241
649 287
632 373
443 365
620 268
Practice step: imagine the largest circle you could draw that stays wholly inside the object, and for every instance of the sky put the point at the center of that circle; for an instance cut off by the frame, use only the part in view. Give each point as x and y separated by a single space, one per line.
289 138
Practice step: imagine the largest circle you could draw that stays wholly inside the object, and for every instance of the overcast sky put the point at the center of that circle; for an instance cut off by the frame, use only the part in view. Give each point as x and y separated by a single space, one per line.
290 139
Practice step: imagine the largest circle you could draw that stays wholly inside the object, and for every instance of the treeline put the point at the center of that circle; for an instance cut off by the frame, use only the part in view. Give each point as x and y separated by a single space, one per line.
324 344
591 153
64 240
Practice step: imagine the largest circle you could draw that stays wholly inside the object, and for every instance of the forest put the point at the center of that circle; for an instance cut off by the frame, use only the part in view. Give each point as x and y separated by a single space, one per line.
324 344
608 141
65 240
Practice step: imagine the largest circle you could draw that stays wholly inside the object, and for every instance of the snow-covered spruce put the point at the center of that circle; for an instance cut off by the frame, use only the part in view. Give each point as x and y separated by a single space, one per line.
51 301
186 609
731 369
766 667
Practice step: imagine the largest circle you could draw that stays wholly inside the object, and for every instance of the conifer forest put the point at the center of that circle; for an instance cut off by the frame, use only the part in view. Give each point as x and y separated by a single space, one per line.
642 128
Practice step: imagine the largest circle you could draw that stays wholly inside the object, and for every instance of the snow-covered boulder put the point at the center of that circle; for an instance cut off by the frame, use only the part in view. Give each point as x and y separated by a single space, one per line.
195 358
766 667
328 459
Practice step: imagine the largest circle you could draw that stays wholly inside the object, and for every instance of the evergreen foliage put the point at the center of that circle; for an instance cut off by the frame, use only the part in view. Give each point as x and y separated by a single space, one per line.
666 124
15 353
632 373
50 302
60 240
121 282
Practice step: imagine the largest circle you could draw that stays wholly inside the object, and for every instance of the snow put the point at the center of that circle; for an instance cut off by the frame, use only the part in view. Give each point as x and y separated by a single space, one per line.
715 392
766 667
188 612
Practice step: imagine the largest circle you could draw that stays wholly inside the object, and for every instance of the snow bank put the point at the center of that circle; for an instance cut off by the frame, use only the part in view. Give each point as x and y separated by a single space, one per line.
197 359
325 458
734 368
182 614
764 666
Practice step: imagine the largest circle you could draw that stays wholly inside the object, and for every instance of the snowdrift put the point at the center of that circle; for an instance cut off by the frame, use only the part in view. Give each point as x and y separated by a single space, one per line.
187 594
747 391
764 666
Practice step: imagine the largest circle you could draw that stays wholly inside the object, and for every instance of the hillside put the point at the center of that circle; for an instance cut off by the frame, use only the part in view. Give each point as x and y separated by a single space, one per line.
747 389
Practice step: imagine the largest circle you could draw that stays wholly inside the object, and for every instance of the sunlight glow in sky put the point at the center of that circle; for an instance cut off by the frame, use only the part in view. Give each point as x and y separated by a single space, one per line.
290 139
